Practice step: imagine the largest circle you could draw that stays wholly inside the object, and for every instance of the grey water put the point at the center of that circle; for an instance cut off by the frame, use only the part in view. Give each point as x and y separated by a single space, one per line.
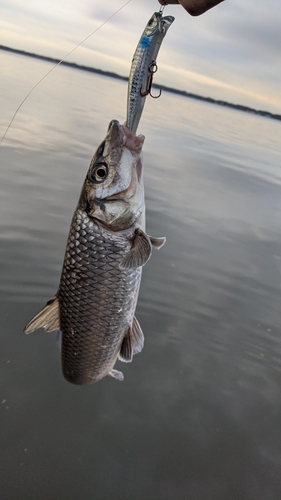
198 416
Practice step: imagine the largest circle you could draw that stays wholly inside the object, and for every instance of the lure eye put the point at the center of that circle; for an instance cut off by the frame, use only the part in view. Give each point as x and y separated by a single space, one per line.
99 173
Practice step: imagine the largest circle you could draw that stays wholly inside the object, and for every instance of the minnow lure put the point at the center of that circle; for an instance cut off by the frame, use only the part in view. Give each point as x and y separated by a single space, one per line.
144 66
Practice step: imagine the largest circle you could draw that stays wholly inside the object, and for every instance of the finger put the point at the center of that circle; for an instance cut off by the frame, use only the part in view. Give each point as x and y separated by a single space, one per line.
193 7
167 2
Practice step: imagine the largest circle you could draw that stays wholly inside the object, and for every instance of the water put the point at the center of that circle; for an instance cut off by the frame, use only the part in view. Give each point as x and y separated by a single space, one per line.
198 414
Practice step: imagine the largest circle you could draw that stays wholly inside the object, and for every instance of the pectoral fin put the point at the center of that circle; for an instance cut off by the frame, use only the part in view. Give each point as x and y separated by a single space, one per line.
140 253
132 343
157 242
48 318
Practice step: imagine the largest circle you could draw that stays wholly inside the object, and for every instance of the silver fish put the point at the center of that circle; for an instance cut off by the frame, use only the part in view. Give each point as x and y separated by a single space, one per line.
107 246
144 65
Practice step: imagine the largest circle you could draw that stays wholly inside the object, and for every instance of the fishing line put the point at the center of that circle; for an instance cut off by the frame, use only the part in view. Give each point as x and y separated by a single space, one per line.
56 65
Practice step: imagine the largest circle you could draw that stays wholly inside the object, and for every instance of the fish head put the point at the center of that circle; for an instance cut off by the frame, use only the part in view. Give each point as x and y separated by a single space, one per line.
113 191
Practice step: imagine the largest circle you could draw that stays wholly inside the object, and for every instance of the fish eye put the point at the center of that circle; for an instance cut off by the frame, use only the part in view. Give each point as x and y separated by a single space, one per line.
99 173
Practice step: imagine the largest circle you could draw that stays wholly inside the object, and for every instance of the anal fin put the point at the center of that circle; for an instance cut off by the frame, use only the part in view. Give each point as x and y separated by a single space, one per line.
48 318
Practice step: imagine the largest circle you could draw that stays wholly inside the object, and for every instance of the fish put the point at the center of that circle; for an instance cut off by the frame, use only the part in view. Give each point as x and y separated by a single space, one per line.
144 66
94 307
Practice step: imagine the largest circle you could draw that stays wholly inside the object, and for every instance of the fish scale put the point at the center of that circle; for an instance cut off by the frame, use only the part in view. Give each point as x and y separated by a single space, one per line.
94 294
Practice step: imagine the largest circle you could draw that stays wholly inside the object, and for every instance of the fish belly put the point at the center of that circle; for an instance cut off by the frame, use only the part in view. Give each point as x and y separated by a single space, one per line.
97 299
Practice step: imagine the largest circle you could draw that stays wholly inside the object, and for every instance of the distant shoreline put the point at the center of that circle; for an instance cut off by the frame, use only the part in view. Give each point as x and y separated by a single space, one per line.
110 74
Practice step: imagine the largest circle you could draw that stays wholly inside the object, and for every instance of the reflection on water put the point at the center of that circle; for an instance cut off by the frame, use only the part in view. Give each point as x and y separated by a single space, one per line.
198 415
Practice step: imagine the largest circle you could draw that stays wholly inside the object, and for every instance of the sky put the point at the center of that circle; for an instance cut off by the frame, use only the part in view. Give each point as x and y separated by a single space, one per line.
232 52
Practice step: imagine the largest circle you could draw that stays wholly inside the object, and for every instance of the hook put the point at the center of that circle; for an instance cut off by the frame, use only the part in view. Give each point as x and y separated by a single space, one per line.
152 69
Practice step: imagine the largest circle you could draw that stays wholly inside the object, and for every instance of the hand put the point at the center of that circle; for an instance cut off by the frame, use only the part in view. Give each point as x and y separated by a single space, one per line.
194 7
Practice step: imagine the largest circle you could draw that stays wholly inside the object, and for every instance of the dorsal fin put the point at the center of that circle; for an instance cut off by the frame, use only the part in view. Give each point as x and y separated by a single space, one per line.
48 318
132 342
126 349
137 336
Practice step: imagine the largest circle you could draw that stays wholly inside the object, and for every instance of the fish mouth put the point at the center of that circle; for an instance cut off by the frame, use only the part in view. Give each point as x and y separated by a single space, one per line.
120 136
115 136
114 143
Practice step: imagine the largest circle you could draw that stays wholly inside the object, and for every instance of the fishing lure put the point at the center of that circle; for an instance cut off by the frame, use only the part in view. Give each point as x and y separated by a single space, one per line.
144 66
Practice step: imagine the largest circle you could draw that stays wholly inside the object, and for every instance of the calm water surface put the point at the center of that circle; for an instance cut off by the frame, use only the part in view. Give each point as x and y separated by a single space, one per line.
198 414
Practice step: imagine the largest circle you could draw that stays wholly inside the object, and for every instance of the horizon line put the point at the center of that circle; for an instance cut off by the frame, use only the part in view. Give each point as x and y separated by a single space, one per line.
111 74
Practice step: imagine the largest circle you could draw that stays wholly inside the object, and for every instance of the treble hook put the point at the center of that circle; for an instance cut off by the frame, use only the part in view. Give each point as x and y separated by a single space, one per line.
152 69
